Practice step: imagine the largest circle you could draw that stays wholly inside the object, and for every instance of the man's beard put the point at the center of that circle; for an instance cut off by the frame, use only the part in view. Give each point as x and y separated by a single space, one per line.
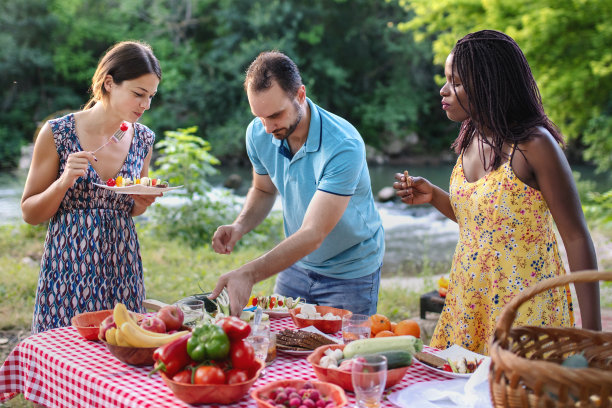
279 134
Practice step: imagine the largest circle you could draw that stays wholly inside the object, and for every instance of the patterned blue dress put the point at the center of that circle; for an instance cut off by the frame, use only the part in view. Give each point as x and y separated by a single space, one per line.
91 258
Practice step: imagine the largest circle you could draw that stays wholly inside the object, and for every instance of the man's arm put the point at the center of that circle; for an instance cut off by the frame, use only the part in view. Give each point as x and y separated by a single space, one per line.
322 215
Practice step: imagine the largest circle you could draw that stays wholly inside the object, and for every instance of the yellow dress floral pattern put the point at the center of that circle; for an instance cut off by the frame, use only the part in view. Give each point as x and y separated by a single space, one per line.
506 244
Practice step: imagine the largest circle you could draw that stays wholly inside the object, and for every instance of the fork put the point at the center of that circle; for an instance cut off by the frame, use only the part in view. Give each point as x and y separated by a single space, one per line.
116 137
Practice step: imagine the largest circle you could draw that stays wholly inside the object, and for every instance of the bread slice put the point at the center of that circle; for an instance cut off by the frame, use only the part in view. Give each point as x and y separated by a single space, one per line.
302 339
430 359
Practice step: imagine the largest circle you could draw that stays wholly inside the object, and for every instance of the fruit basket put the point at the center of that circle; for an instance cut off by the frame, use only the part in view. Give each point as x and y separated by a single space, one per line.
326 326
343 378
526 368
136 356
213 393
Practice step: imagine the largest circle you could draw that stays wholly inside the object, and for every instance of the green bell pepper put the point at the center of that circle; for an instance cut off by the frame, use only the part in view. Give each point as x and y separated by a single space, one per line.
208 342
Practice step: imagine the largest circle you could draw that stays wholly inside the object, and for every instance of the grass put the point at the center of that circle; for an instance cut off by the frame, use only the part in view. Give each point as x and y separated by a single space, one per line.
172 270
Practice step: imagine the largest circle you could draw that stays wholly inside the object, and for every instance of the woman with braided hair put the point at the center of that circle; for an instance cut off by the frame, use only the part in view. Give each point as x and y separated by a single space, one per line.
510 182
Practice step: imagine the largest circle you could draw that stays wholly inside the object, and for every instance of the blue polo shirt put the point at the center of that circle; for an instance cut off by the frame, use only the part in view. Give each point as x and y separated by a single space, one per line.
331 160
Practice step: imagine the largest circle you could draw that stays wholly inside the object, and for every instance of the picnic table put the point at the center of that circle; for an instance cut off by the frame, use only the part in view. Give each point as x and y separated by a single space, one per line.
59 368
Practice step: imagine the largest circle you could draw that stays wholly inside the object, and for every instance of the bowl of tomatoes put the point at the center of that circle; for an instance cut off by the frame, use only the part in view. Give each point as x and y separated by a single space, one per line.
213 365
212 384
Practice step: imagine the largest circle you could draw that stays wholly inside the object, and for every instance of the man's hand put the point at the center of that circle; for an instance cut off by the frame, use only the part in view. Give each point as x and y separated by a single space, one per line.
239 285
225 238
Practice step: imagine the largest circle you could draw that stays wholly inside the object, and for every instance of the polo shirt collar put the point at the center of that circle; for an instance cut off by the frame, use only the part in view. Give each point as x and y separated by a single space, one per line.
315 133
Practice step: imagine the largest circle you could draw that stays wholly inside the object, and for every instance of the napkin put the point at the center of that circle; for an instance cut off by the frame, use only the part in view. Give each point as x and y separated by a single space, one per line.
471 393
313 329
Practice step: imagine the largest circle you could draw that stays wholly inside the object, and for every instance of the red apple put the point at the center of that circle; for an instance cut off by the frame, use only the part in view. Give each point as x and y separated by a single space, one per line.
153 324
106 324
172 315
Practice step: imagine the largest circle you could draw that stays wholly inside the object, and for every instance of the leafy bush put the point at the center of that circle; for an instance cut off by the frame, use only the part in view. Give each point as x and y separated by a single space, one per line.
185 160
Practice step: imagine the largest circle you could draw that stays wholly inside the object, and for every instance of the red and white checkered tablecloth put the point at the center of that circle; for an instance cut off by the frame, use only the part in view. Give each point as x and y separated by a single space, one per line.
59 368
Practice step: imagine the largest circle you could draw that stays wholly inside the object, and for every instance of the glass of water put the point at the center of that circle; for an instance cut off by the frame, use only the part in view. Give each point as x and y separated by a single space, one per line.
260 340
355 327
369 376
193 309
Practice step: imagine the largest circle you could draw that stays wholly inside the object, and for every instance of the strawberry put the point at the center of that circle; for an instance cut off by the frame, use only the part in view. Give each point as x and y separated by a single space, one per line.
110 182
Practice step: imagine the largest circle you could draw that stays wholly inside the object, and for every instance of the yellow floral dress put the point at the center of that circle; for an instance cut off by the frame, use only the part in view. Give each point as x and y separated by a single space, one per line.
506 244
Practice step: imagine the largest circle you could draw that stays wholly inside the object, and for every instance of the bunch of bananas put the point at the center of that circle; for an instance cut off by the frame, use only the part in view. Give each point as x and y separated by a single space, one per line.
129 334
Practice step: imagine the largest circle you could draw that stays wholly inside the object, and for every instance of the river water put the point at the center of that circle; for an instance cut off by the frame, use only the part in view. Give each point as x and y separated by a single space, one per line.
418 238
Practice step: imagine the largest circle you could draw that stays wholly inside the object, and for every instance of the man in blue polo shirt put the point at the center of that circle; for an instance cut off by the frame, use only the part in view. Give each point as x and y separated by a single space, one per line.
315 161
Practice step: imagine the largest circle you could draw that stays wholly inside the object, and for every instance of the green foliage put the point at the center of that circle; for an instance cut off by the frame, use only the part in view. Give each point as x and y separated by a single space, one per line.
353 60
185 159
567 44
598 207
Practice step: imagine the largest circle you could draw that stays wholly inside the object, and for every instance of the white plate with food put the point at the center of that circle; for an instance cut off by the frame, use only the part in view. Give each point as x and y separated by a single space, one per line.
277 313
138 189
299 353
275 306
455 354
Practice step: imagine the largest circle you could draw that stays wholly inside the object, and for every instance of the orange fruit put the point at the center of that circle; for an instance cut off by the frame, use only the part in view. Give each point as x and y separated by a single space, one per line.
379 323
385 333
393 326
408 327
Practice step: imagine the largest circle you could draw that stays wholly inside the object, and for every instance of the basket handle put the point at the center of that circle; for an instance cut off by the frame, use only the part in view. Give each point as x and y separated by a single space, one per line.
508 313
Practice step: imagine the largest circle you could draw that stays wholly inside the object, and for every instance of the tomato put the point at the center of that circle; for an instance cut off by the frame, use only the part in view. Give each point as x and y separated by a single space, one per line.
236 375
235 328
110 182
183 377
242 354
209 375
223 364
272 302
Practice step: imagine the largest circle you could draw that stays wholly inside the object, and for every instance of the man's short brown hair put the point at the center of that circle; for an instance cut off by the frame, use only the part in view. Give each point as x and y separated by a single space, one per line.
272 66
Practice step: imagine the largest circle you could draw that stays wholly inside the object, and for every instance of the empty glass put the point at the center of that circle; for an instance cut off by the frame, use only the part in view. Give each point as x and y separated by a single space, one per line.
369 375
193 309
355 326
260 340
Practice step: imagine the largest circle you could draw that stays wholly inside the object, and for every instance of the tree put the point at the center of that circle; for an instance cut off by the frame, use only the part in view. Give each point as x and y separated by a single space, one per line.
567 43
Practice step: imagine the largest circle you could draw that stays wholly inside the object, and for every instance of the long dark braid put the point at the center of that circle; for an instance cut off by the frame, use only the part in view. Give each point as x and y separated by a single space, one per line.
504 99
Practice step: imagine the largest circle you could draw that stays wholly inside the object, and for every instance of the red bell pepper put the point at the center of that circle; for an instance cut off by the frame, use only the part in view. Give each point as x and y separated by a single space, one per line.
172 357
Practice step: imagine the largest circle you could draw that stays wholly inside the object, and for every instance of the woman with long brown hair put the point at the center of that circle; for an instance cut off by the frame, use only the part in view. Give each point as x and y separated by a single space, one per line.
91 257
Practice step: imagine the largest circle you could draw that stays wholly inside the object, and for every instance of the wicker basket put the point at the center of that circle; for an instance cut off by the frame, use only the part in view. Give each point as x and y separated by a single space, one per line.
526 368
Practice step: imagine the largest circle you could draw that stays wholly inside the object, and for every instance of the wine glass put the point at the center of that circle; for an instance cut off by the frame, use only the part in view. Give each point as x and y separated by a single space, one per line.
369 375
